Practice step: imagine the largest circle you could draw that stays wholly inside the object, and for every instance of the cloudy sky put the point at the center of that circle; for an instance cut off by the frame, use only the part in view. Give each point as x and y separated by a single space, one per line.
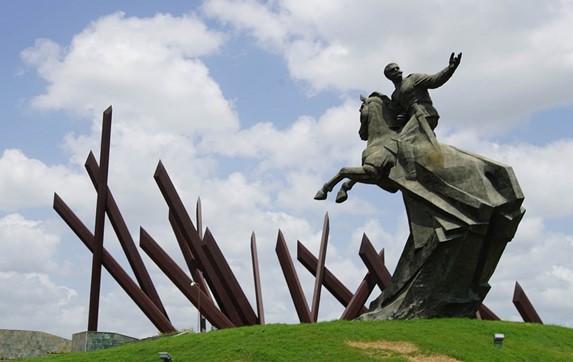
252 106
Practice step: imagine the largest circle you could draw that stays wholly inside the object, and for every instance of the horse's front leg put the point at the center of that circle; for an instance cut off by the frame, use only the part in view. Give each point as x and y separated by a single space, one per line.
342 194
328 186
353 173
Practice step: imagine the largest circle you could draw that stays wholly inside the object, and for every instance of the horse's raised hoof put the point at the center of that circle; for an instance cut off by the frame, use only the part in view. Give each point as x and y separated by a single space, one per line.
320 195
341 196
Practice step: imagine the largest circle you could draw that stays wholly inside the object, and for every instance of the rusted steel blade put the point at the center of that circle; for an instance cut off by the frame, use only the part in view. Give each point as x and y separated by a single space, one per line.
125 239
144 303
199 216
225 274
190 289
181 218
292 280
320 269
192 263
524 306
356 305
99 221
257 279
199 219
486 314
332 284
216 285
370 258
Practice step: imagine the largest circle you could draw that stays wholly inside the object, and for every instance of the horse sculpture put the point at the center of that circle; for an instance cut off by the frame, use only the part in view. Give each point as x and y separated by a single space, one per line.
379 127
462 211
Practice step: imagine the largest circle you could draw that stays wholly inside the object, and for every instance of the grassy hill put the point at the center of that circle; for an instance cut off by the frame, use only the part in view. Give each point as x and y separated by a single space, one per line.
436 340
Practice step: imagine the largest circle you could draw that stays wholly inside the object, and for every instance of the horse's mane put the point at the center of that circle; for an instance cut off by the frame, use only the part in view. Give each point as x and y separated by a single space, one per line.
383 97
388 107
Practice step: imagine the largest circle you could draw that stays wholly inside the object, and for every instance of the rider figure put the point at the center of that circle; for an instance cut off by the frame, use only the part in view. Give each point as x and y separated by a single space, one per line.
411 93
412 98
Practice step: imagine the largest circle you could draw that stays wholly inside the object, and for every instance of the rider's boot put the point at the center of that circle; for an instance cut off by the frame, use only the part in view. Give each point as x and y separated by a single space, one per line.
407 159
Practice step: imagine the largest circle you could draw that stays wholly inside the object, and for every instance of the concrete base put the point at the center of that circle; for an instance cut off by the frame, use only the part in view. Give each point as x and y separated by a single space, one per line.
93 341
16 344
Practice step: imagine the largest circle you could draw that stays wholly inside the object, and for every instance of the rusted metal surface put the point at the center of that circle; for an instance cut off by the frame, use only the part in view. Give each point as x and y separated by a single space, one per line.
191 290
180 218
320 269
147 306
221 267
331 283
99 221
199 219
125 238
192 263
292 280
356 305
257 280
486 314
524 306
224 300
371 259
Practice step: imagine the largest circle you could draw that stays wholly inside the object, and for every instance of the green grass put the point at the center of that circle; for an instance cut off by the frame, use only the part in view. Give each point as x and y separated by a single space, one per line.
462 339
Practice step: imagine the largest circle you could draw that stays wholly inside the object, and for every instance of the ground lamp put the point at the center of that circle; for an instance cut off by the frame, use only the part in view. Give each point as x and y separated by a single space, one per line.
165 357
498 340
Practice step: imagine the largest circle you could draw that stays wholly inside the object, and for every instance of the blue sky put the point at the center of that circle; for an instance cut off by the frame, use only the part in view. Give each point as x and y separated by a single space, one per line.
252 106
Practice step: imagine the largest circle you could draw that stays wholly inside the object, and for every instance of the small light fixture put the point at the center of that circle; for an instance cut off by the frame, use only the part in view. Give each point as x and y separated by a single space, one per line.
498 340
165 357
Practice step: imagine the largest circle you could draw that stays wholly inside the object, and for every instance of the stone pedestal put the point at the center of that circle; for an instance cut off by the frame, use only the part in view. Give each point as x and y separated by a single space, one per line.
93 341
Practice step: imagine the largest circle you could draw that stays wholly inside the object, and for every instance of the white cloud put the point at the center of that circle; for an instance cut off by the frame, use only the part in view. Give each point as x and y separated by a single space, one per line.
29 183
344 46
308 144
17 234
129 61
32 301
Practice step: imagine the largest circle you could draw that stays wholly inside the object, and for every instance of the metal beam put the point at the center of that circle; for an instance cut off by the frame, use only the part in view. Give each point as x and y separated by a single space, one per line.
224 273
125 239
524 306
332 284
99 221
224 300
486 314
292 280
371 259
356 305
192 263
199 219
257 280
183 222
320 269
191 290
144 303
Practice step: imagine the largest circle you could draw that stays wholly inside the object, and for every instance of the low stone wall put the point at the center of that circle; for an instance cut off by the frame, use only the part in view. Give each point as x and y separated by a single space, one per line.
93 341
27 344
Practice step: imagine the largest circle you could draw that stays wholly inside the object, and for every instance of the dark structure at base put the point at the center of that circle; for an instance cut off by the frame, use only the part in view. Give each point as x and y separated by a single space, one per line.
93 341
461 217
16 344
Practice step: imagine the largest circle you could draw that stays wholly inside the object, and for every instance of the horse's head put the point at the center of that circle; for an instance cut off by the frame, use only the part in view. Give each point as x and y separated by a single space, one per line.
363 131
374 116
